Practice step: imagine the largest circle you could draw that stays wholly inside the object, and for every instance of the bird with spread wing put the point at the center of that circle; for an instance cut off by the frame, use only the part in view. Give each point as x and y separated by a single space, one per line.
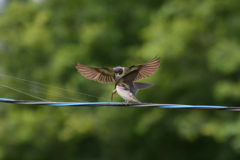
108 75
122 76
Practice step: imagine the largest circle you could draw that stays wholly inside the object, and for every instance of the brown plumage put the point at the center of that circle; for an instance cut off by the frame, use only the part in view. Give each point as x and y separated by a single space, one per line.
146 69
107 75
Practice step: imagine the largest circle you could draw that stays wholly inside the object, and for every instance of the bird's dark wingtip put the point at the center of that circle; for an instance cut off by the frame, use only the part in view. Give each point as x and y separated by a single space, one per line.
75 62
157 58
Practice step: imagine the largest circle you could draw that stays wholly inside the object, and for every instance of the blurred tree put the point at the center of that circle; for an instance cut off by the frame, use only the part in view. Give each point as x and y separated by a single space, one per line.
197 40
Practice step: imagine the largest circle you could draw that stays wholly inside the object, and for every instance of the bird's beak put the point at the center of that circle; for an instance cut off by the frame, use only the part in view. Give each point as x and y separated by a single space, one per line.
117 77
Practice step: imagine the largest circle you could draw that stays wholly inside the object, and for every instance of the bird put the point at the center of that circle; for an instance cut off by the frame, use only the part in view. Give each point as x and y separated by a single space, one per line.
108 75
126 88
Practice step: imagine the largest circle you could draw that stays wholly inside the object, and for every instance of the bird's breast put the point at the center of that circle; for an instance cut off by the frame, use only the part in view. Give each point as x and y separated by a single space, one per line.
123 91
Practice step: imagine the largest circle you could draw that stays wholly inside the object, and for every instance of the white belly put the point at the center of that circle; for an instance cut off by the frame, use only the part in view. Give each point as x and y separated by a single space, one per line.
123 93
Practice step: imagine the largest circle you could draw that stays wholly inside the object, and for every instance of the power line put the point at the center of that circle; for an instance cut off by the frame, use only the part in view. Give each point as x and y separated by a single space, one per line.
119 104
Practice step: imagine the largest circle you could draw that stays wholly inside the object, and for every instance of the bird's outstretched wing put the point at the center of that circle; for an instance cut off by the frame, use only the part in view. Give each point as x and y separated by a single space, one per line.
100 74
146 69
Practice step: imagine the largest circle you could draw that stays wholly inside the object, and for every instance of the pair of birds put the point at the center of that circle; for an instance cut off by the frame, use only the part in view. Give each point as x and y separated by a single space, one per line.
124 77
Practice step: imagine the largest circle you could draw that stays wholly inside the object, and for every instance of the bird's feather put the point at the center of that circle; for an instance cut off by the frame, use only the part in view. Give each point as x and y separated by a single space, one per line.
145 70
100 74
138 86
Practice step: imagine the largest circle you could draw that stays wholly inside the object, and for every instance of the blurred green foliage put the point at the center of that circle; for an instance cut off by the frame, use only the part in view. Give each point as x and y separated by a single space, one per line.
199 45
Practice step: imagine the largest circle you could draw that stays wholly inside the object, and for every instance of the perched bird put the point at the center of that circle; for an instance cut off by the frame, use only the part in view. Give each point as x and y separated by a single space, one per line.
108 75
126 88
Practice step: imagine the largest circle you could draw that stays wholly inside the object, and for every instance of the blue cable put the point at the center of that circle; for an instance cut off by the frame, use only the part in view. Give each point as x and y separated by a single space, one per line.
81 104
6 99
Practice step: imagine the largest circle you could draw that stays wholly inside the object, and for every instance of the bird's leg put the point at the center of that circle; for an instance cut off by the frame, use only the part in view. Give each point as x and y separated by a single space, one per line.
126 101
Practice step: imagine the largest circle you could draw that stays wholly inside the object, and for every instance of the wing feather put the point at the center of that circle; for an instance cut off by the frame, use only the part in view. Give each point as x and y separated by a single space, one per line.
100 74
146 69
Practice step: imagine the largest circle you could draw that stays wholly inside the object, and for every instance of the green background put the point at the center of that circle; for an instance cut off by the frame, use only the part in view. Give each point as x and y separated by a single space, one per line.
198 42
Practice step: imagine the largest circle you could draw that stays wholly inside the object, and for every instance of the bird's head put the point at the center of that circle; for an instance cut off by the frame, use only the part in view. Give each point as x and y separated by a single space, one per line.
118 70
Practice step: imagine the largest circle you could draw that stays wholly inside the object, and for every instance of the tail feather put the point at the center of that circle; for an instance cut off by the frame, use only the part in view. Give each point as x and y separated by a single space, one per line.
135 99
138 85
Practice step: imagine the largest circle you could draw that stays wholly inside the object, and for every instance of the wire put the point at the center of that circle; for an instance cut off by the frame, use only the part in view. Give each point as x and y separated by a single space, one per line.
119 104
95 104
22 92
29 82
